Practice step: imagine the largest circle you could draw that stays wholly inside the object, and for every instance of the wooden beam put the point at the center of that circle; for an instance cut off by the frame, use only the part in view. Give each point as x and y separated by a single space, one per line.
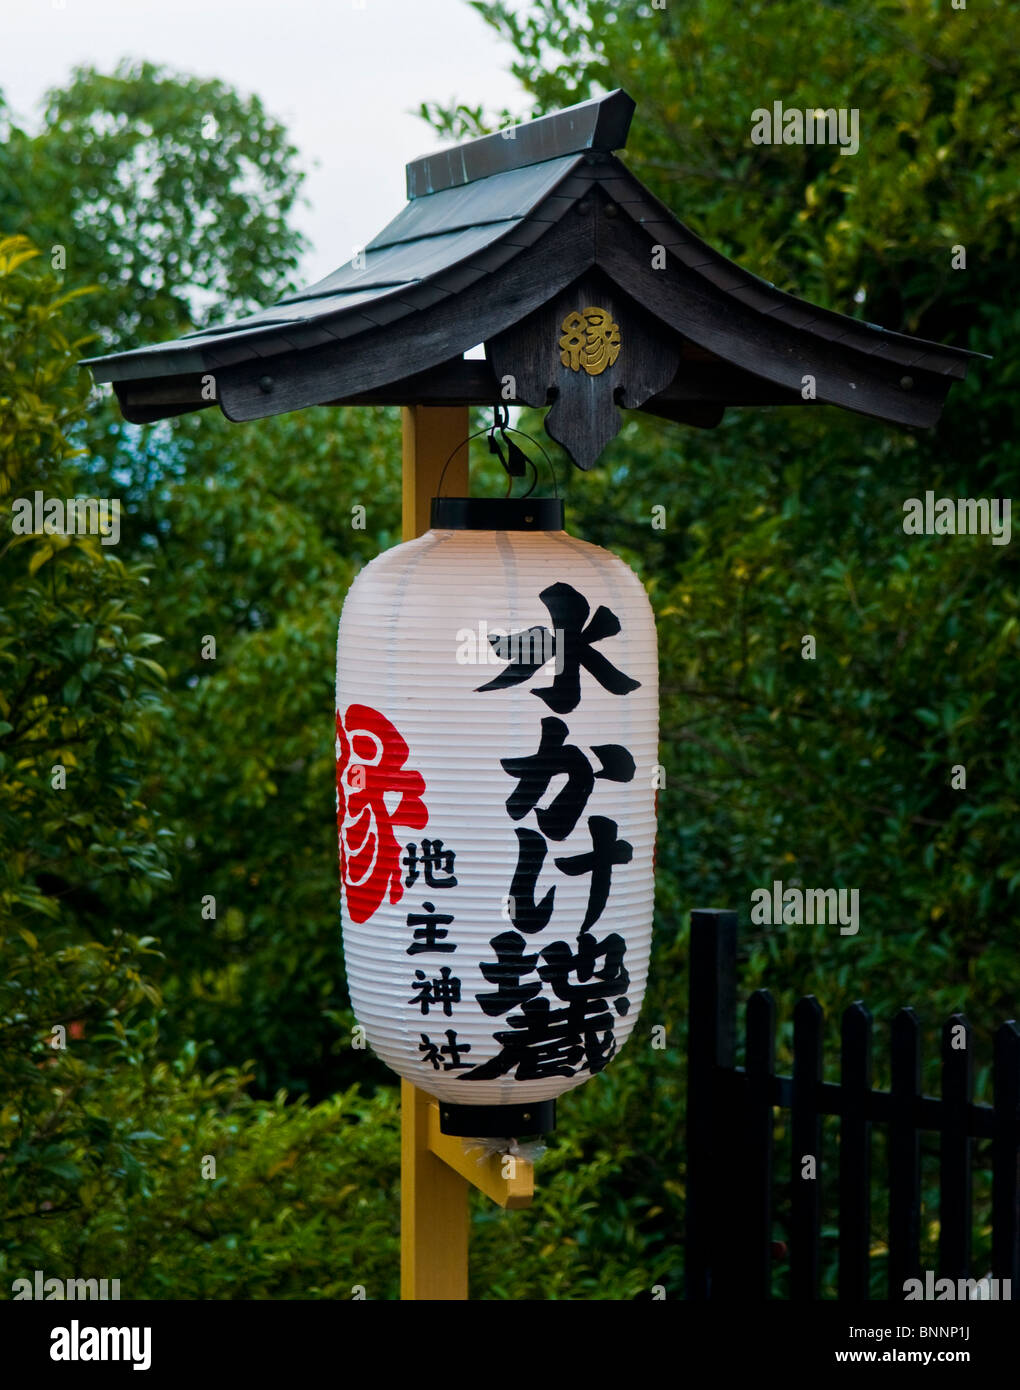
161 398
433 1195
703 415
472 381
460 381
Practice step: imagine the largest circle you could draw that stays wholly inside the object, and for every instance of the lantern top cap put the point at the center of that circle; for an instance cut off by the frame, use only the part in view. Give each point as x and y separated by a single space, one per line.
600 124
497 514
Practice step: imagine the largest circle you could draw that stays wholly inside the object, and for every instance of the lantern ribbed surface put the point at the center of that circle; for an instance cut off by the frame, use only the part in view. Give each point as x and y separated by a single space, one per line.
496 844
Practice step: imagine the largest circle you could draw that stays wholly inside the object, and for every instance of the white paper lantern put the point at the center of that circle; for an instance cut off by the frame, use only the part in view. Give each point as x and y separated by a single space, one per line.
497 750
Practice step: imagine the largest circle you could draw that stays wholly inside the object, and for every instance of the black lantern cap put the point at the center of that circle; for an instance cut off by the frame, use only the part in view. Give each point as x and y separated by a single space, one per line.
497 1121
497 514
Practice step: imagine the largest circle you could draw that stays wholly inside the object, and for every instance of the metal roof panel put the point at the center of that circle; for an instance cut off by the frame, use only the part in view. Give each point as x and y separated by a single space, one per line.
499 198
404 262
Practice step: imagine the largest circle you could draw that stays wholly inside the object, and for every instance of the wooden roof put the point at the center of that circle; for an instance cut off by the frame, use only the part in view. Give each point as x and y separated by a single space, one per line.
500 239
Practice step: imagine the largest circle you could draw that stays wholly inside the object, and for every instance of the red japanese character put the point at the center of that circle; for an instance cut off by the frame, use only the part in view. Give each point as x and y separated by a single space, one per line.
370 766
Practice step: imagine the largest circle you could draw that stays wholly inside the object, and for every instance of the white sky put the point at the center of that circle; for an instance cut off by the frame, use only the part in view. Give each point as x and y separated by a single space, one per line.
343 76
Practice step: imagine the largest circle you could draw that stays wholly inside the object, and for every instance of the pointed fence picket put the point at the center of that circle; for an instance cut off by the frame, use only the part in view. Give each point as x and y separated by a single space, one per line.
731 1149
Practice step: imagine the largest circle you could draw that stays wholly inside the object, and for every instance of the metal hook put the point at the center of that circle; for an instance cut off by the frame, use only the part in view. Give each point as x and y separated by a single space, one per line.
512 468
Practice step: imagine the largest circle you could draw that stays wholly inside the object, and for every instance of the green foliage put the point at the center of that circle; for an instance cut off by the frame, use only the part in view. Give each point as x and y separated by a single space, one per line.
78 689
107 1118
234 546
171 193
257 552
183 1186
76 692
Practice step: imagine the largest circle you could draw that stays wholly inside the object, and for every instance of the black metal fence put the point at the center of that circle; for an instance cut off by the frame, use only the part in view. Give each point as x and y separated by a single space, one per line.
730 1119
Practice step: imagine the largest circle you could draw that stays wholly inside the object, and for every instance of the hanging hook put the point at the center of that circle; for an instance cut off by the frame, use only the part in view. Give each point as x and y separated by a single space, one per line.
515 462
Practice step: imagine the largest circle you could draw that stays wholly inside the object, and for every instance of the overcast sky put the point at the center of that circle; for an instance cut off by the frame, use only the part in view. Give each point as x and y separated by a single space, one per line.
343 76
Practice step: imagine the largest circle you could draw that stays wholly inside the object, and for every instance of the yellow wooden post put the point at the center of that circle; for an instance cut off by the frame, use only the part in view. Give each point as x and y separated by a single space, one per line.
431 434
433 1210
435 1169
433 1198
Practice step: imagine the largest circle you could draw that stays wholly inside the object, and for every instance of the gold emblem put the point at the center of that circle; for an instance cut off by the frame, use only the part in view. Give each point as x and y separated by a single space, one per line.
590 340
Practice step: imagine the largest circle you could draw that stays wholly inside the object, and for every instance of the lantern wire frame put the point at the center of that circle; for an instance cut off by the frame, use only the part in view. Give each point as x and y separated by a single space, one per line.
514 461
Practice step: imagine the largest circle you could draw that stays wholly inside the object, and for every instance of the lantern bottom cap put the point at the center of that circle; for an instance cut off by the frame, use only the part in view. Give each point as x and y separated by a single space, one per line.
497 1121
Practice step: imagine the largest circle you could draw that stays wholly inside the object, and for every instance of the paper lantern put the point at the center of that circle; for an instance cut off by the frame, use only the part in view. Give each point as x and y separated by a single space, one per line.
496 743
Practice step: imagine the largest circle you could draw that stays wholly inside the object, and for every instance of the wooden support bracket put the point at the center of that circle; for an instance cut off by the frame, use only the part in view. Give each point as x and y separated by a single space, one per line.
509 1180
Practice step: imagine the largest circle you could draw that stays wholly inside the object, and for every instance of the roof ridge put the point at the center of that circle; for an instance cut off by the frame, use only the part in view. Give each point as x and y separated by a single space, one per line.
602 123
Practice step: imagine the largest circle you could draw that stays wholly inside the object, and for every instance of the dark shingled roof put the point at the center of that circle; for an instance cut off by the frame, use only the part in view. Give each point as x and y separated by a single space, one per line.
474 214
432 237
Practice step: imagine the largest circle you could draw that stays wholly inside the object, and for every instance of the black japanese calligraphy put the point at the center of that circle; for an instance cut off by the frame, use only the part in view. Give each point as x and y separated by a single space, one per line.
545 1041
574 1030
607 850
569 611
506 973
555 757
610 982
551 1042
442 993
435 1054
436 862
525 913
427 936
